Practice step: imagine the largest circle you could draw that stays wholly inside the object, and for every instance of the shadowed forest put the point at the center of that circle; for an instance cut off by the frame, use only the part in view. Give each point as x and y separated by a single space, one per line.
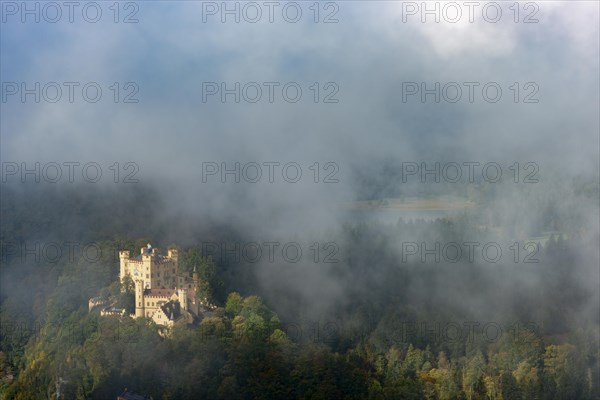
397 326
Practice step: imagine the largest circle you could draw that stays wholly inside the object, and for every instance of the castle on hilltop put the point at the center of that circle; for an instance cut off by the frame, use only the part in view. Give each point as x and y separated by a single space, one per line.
162 292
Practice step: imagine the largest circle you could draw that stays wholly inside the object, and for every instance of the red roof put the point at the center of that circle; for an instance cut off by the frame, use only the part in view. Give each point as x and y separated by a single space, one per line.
159 292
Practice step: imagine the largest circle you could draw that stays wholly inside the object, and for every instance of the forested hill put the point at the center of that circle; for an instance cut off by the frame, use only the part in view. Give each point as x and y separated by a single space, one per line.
390 325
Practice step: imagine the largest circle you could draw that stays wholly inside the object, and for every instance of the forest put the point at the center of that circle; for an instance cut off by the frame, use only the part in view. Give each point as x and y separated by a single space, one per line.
393 327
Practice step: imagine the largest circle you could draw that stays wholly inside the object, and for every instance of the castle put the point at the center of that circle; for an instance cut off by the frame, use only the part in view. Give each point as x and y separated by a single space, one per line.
162 292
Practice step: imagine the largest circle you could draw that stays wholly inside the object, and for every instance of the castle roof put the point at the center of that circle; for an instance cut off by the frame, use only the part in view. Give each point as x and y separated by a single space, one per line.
172 309
159 292
112 311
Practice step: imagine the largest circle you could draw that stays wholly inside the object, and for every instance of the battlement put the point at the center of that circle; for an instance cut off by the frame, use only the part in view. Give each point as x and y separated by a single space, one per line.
149 252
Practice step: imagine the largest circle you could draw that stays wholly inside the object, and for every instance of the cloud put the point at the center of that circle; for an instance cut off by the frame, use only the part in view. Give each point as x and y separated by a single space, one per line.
369 54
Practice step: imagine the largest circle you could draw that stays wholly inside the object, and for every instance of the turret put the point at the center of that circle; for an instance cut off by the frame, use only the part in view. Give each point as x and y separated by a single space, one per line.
183 301
139 299
146 250
195 280
173 253
123 257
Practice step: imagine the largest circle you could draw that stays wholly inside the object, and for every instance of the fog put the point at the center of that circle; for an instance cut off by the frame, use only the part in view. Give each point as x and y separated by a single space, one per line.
175 140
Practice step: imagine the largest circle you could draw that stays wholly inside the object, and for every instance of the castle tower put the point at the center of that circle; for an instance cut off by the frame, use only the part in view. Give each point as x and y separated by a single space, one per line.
183 300
146 256
155 270
139 299
123 256
174 254
195 278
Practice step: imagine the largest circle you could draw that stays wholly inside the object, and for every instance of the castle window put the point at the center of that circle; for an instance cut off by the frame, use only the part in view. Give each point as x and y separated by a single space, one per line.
147 276
158 274
173 270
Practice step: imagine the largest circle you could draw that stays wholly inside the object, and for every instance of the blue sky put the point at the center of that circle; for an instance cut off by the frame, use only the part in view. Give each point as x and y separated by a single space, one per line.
368 54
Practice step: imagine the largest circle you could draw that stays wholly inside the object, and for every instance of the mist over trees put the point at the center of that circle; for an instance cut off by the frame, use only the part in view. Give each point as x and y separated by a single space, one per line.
397 326
369 200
